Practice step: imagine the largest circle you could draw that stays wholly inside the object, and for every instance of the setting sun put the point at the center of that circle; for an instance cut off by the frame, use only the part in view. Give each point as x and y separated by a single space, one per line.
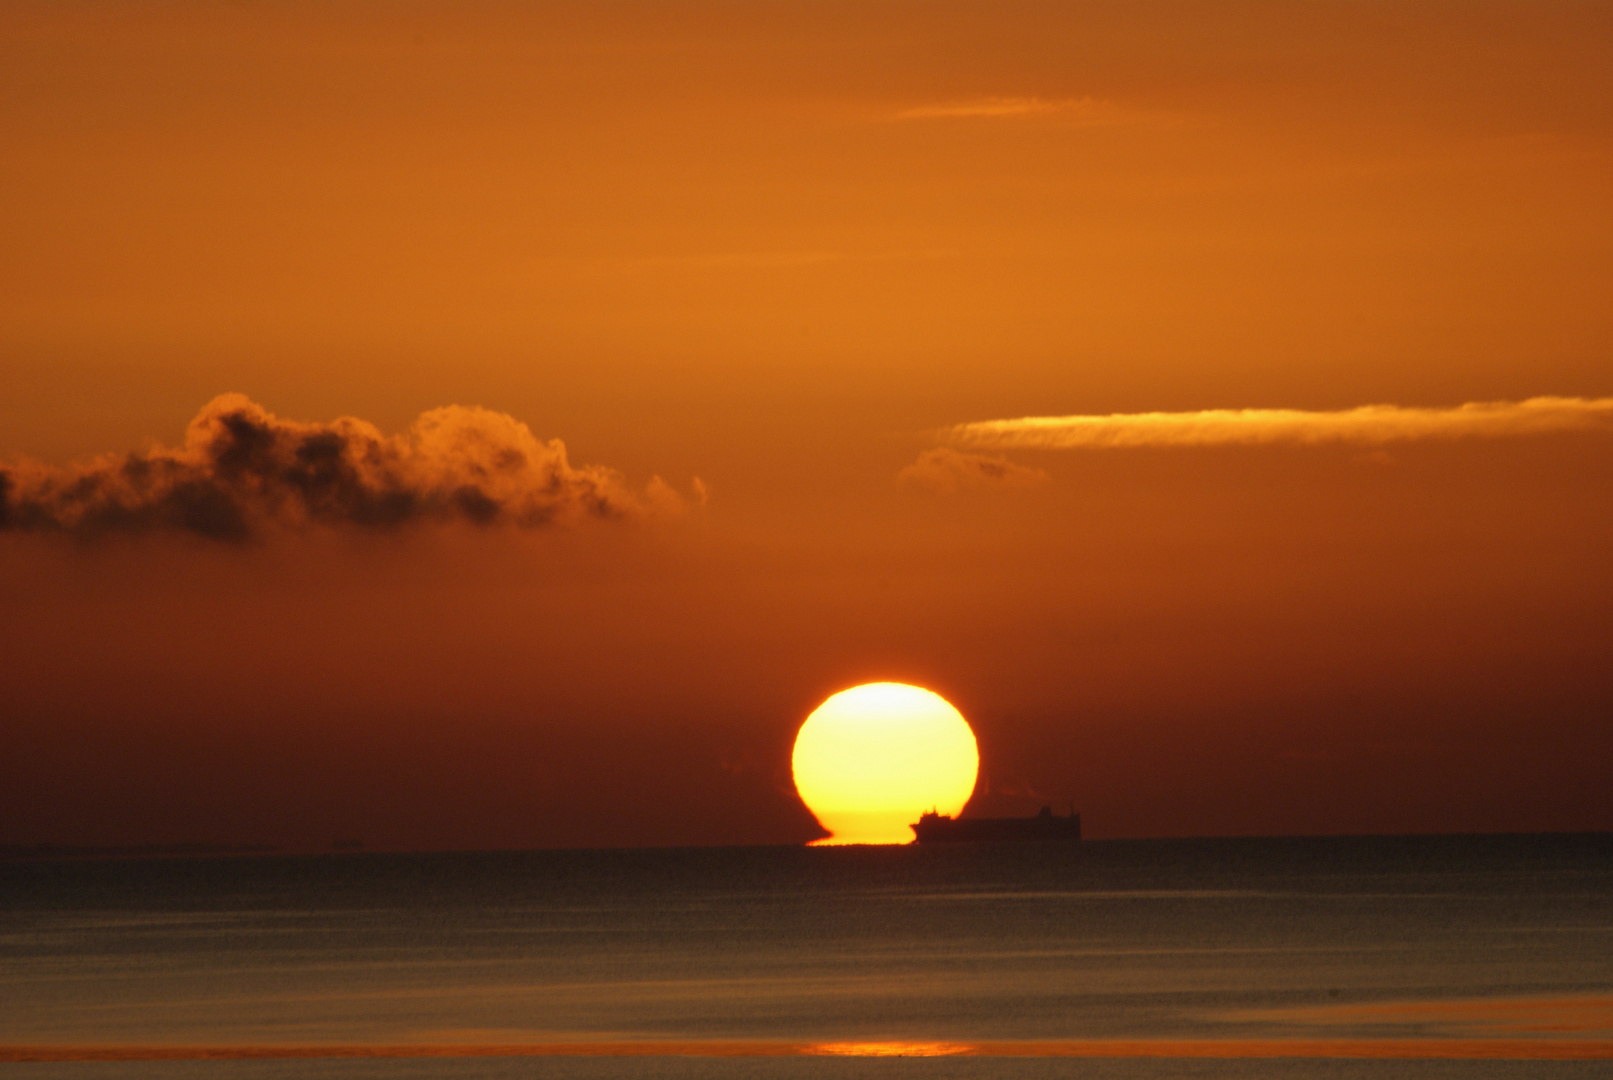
871 759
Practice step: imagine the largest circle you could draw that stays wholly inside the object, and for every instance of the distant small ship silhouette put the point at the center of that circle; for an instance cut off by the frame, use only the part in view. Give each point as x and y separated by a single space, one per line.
933 828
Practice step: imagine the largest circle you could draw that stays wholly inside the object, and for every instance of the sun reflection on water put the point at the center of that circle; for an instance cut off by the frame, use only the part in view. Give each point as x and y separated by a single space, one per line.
890 1049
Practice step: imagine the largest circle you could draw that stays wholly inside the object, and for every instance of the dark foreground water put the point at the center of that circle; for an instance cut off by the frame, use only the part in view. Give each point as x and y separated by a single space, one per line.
1118 960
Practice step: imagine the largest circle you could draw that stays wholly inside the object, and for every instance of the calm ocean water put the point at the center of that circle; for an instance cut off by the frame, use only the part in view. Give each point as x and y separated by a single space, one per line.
849 953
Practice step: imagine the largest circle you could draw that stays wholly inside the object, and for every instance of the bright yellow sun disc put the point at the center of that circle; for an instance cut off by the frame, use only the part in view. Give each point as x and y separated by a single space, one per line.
871 759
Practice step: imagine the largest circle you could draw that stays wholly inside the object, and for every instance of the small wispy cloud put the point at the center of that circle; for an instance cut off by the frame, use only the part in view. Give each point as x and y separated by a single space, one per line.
945 471
1368 425
1088 109
773 260
242 470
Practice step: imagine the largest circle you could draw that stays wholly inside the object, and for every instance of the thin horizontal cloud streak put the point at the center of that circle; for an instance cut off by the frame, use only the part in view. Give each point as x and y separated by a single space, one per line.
1368 425
242 471
1085 108
773 260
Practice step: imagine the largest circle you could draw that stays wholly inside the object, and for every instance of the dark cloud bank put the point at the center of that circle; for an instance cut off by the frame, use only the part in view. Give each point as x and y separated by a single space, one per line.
243 471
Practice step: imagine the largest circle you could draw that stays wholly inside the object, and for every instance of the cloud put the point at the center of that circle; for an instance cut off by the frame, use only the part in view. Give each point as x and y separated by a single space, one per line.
242 470
1086 109
782 259
946 471
1369 425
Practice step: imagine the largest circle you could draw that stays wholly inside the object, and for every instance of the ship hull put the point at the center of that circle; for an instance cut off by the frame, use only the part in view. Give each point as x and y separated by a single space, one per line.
935 829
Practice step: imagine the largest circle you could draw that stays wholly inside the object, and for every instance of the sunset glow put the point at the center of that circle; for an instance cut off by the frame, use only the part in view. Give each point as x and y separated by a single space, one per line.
513 418
871 759
473 472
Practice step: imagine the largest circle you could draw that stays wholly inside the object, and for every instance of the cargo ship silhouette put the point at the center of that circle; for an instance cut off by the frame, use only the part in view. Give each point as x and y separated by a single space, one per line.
933 828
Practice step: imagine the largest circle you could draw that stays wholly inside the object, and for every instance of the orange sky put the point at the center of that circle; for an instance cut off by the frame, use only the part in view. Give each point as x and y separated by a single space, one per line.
785 248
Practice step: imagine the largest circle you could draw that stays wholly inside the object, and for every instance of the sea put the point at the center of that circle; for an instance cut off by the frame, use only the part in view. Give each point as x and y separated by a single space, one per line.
1343 957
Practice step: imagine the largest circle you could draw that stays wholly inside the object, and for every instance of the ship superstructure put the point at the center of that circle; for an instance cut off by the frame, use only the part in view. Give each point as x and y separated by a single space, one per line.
934 828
